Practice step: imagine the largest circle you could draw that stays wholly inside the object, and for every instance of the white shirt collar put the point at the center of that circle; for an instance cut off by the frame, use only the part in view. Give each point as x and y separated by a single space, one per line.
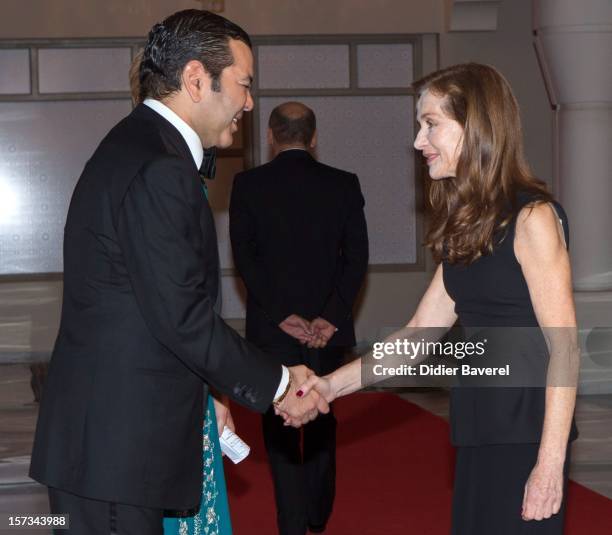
189 135
293 148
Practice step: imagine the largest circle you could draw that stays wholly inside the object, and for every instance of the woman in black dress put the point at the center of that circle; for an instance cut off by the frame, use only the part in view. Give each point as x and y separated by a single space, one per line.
501 244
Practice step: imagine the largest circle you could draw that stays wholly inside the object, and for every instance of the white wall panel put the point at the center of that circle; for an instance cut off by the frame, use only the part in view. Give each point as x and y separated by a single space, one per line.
303 66
385 65
14 72
43 148
372 137
83 70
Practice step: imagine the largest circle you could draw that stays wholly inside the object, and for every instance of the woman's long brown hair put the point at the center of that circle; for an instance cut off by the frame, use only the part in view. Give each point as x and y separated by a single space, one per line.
469 211
134 77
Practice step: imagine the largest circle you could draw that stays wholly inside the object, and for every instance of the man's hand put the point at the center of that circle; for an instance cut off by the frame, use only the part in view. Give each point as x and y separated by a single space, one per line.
322 331
299 410
224 416
543 492
297 327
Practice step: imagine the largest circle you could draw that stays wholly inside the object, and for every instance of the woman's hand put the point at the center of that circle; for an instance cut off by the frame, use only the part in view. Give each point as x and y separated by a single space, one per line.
323 385
224 416
543 491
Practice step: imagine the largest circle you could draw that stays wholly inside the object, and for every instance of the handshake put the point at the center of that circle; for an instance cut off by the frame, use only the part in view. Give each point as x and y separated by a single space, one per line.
314 334
306 397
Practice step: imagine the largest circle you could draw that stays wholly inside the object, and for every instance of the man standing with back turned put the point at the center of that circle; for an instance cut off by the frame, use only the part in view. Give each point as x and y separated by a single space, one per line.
300 243
119 436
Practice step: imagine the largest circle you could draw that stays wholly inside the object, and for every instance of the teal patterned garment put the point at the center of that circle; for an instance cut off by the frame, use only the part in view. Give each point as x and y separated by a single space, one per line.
213 518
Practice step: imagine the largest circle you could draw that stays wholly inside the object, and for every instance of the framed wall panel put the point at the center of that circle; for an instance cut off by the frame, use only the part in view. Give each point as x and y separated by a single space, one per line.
367 127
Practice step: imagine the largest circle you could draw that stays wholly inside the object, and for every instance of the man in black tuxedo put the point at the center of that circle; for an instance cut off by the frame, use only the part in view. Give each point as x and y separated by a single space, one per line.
119 436
300 243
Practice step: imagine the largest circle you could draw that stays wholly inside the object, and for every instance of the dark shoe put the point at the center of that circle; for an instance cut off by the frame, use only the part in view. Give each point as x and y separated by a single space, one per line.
317 529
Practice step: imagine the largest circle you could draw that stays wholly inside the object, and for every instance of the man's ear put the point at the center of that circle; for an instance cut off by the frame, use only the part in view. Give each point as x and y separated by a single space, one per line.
314 140
195 80
270 137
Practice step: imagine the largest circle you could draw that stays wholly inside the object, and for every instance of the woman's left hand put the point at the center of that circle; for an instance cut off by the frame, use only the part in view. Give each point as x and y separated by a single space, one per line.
224 416
543 491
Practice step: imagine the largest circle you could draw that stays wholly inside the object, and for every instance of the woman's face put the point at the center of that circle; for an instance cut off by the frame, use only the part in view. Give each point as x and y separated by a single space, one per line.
440 138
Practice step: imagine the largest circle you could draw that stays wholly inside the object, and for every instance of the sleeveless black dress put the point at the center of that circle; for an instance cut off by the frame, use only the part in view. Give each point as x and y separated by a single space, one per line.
496 430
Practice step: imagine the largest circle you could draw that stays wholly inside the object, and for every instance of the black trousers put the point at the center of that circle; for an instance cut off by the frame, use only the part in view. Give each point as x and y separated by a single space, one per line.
303 461
95 517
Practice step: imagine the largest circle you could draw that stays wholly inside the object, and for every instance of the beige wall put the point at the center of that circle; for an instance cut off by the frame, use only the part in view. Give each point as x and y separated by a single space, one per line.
132 18
510 49
389 299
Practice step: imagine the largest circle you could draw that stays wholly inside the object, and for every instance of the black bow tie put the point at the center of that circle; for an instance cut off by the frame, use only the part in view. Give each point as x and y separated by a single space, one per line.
209 163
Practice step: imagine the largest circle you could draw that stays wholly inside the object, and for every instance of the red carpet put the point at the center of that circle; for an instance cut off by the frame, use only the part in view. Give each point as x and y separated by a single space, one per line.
394 475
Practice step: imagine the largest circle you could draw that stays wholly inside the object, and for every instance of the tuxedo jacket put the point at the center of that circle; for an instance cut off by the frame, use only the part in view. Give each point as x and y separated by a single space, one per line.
300 243
122 411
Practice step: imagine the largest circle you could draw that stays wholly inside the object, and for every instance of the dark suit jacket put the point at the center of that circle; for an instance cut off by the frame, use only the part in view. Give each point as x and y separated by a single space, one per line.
300 243
122 412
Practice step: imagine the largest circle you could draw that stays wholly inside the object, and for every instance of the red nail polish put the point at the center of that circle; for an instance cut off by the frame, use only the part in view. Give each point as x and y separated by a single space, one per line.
299 393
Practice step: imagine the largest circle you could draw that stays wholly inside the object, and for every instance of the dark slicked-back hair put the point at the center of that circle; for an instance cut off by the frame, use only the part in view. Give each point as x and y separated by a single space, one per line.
192 34
292 122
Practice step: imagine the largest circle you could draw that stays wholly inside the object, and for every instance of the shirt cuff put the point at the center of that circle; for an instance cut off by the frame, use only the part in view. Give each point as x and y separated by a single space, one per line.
283 383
